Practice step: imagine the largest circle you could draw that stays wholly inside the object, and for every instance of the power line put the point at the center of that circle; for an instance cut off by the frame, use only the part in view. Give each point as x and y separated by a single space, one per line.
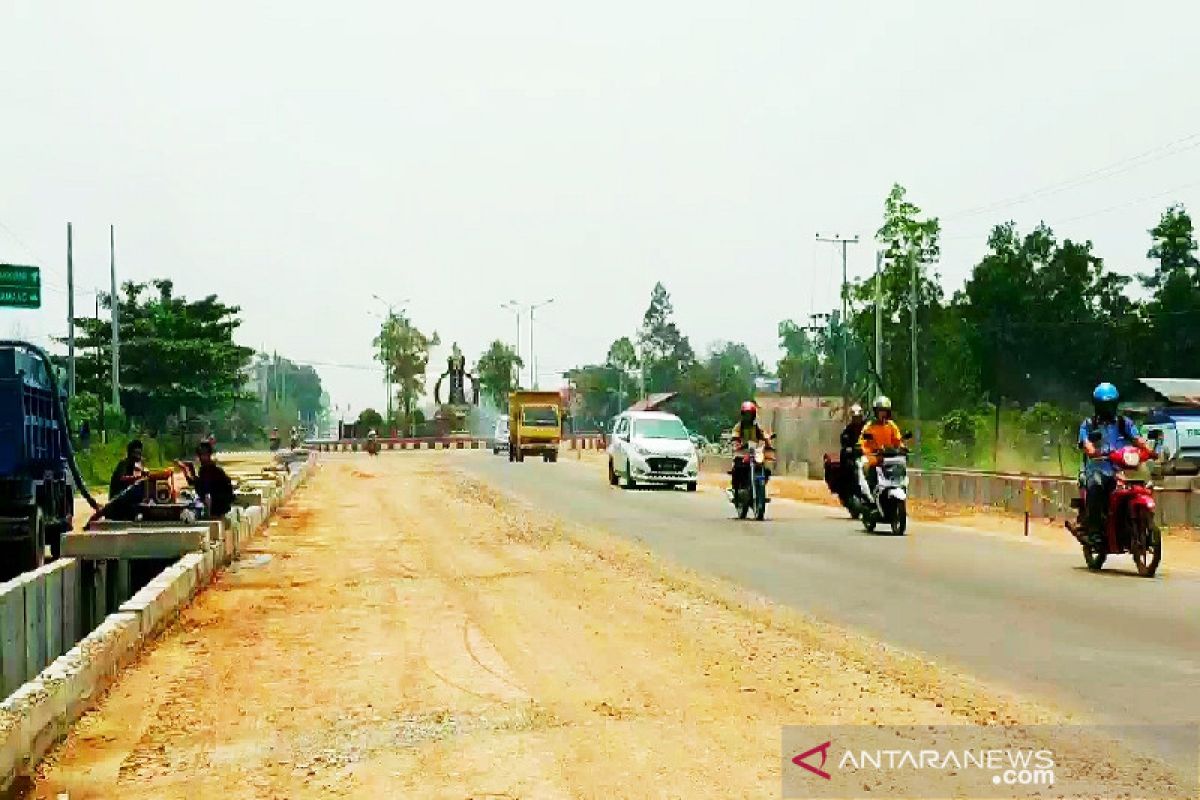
1172 148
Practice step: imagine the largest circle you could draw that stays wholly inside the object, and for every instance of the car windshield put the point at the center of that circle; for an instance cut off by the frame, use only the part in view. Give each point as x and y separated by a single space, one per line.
659 429
539 416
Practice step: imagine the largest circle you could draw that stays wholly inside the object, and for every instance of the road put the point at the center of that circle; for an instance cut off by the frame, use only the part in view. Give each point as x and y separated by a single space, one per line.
1029 617
404 629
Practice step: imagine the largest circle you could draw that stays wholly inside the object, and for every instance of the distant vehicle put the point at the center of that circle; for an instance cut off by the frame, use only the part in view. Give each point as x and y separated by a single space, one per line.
500 436
1180 444
699 442
534 425
652 447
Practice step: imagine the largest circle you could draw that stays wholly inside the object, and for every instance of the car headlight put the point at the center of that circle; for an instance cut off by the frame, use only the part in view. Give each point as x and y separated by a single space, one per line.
641 451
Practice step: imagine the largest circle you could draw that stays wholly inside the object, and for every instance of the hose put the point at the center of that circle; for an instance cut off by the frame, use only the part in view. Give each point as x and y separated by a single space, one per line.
60 414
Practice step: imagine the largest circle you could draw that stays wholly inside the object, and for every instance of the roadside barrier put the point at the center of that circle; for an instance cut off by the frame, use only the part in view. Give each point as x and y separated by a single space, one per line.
443 443
53 669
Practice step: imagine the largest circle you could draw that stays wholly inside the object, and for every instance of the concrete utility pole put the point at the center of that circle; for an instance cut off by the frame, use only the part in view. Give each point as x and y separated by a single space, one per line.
878 323
116 334
916 401
843 333
70 317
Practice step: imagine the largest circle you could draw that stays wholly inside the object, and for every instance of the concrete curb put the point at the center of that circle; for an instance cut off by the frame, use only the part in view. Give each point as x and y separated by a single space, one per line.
42 710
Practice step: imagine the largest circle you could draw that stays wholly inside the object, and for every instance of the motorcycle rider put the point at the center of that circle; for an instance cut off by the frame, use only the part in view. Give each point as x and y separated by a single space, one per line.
881 433
745 433
849 444
1099 474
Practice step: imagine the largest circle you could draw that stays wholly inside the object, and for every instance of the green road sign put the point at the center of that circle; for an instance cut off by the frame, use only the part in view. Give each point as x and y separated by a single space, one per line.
20 287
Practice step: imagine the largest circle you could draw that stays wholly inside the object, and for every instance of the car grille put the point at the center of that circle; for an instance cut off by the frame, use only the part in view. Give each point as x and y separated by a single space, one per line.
666 464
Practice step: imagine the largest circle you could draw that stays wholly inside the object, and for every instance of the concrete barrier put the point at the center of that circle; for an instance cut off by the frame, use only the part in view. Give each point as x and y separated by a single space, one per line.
44 612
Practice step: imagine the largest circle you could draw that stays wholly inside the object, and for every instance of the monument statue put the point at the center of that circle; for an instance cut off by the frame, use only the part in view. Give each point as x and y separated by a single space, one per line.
456 370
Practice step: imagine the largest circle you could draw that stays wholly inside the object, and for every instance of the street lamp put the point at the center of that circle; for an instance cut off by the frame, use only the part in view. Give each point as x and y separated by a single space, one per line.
387 362
532 352
515 308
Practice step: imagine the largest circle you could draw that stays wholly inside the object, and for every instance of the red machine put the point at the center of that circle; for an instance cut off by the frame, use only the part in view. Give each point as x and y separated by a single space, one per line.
1129 526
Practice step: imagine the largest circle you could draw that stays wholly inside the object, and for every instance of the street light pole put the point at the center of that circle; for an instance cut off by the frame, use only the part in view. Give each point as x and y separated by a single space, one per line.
515 307
532 352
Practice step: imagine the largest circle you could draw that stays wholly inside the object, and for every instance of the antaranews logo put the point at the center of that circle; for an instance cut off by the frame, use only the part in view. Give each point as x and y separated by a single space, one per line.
801 760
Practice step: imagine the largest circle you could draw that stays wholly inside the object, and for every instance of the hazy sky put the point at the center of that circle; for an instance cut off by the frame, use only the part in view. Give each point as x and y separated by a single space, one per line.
297 157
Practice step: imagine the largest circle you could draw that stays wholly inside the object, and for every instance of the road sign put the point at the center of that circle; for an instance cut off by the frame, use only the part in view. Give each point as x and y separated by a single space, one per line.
20 287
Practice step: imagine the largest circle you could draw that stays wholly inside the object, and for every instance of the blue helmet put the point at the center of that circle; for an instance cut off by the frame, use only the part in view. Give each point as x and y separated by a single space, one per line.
1105 393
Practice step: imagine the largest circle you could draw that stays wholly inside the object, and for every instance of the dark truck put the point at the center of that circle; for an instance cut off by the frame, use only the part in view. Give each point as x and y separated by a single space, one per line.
36 496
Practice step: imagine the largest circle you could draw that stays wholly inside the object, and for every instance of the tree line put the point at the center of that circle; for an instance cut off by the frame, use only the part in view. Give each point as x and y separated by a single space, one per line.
182 374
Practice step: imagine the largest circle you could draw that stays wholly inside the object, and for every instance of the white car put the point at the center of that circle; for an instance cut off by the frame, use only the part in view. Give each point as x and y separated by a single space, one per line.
500 436
652 447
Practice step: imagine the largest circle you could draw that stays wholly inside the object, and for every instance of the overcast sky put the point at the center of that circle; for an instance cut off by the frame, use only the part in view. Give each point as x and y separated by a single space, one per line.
297 157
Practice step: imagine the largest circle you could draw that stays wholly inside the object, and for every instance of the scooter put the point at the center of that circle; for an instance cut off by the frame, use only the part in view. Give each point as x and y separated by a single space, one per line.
752 493
888 502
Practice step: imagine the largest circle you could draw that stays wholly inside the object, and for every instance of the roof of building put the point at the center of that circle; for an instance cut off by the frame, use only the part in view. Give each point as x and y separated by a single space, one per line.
652 402
1185 391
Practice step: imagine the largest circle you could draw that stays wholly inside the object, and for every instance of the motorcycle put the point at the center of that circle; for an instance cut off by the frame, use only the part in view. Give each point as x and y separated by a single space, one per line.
372 446
1129 525
751 493
888 501
841 476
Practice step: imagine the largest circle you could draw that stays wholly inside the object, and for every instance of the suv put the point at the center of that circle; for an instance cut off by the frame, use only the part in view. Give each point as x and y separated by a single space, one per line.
500 436
651 447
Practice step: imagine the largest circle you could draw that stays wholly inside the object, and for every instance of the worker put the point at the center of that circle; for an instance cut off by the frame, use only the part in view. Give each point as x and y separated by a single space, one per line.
211 483
126 487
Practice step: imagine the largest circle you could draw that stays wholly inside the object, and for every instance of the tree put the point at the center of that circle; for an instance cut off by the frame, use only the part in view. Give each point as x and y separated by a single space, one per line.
714 388
808 365
1174 309
665 352
174 353
405 349
910 240
497 369
369 419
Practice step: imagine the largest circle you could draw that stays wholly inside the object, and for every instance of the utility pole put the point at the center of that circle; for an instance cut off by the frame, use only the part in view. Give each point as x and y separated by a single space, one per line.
843 331
515 307
70 316
116 335
912 303
99 372
878 323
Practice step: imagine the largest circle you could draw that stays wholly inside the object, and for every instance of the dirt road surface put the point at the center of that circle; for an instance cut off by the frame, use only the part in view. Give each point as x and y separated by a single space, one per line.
404 630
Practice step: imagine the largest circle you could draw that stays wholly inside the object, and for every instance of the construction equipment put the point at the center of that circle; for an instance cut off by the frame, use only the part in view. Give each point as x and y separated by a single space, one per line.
534 425
36 494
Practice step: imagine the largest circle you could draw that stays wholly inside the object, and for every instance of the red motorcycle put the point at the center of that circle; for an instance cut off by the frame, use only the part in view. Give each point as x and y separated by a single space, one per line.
1129 525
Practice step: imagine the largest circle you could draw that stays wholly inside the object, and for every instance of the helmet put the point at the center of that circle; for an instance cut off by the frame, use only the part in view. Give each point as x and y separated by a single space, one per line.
883 401
748 407
856 410
1104 400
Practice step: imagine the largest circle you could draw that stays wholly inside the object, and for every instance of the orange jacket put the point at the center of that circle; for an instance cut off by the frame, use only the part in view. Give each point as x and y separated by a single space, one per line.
883 434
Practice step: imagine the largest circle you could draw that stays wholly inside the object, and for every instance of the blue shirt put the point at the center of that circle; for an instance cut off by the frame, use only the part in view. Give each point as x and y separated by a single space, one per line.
1114 435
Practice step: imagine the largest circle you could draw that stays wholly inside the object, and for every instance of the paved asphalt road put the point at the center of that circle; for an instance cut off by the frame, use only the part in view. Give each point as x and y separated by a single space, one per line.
1012 612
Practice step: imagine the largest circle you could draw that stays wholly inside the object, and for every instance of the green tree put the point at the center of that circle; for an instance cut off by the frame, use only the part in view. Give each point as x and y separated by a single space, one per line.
497 370
666 353
714 387
369 419
405 349
1174 309
174 353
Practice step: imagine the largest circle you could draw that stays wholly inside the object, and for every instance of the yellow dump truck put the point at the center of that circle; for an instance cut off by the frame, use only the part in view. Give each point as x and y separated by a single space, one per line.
534 425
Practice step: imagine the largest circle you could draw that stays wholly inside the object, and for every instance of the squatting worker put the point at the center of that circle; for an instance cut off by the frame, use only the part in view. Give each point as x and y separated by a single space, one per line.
127 478
210 482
